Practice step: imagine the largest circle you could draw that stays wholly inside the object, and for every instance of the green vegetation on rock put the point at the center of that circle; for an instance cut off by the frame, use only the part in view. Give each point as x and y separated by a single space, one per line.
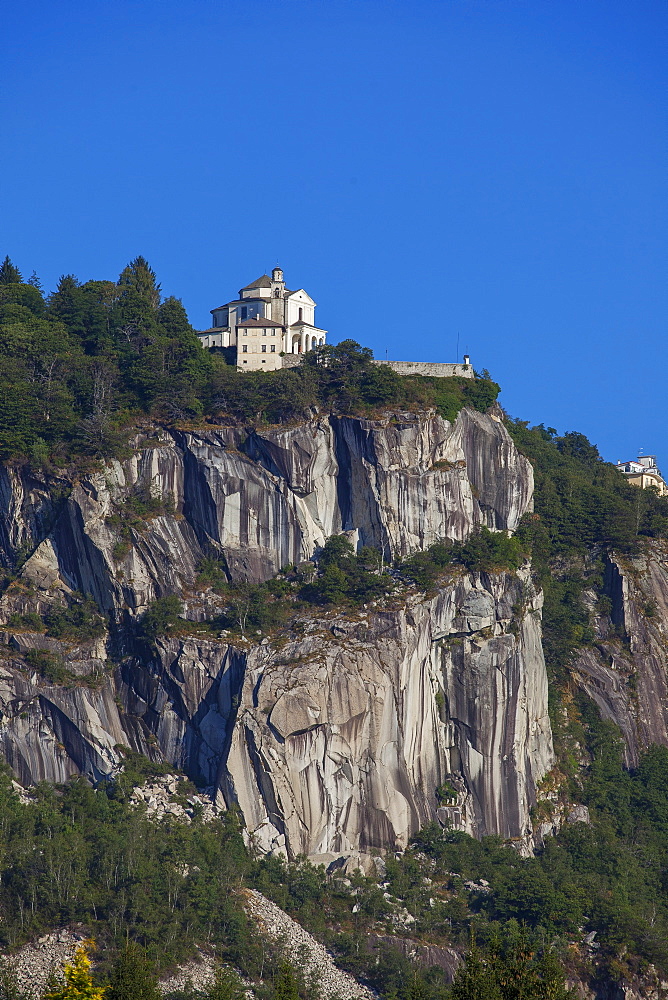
338 578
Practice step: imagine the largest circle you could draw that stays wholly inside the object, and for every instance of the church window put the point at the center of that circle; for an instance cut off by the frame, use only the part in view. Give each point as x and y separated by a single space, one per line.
264 348
264 333
244 312
244 348
273 349
277 293
301 314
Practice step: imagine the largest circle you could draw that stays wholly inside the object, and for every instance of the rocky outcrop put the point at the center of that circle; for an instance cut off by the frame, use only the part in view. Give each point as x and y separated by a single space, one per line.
168 797
262 499
342 739
335 736
175 706
426 956
626 671
337 740
49 731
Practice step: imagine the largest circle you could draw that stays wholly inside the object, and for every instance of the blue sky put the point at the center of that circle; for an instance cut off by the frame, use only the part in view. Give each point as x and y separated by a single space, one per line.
493 170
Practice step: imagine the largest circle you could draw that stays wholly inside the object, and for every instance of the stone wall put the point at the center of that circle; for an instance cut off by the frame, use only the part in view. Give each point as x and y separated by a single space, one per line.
433 369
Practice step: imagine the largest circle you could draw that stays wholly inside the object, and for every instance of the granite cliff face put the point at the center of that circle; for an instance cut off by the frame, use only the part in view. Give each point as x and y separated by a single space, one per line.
341 740
626 671
264 499
334 736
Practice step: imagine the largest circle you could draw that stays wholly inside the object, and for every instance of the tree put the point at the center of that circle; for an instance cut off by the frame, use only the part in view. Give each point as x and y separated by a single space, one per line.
84 310
475 980
78 983
9 275
138 282
286 983
160 616
173 317
517 975
132 978
226 986
22 295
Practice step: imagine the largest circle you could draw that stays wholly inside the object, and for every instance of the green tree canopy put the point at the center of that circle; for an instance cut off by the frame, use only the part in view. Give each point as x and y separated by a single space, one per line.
9 275
132 977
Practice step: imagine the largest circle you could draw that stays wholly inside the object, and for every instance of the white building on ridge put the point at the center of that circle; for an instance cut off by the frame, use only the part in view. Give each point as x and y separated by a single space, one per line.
265 321
644 472
269 326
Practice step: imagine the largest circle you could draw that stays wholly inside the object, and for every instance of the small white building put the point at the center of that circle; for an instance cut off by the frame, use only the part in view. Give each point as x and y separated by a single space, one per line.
266 321
643 471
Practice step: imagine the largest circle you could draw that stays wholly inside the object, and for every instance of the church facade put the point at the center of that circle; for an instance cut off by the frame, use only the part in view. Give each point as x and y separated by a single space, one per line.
267 322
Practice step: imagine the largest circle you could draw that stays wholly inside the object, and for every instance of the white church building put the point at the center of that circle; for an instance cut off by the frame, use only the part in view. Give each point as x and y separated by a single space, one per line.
264 323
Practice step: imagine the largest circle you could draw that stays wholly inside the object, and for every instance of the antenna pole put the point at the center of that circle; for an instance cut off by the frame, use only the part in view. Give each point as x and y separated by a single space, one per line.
457 358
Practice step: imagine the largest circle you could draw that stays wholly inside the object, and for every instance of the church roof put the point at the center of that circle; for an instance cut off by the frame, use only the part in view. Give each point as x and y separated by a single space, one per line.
303 323
260 322
264 281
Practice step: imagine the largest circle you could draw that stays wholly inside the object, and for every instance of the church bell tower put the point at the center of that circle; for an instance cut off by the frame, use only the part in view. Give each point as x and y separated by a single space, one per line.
278 295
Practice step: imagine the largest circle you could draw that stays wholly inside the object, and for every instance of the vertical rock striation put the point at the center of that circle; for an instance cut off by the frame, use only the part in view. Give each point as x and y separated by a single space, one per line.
625 671
336 737
342 740
263 499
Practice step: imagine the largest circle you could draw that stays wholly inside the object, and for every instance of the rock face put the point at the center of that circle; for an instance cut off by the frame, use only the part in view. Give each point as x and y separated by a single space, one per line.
337 737
626 671
263 499
342 739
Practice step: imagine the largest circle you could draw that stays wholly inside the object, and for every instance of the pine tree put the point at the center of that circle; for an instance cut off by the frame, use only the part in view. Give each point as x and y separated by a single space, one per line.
226 986
173 317
140 277
9 275
132 978
476 979
78 983
518 974
286 983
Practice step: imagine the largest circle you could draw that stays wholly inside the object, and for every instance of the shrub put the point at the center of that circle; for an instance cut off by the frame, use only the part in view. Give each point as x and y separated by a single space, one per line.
344 577
50 666
211 572
30 621
161 616
80 622
78 984
484 551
